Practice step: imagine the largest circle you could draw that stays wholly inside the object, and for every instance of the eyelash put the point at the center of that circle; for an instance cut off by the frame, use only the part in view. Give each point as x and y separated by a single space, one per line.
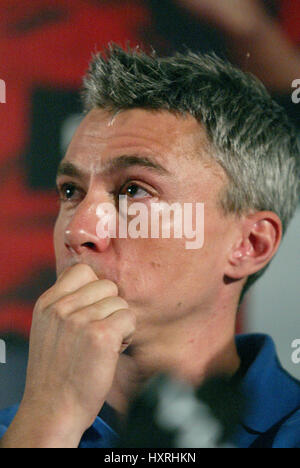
129 183
62 189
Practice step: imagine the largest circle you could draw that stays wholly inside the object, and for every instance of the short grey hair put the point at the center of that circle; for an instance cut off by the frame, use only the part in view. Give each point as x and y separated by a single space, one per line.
250 134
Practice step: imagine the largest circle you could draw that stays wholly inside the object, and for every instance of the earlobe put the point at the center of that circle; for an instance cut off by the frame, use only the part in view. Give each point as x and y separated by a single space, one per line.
260 236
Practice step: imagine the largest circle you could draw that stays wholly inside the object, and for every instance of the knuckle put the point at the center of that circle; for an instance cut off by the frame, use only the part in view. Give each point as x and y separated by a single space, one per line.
131 317
130 320
85 271
43 300
110 287
64 304
128 315
114 303
54 311
120 303
42 306
58 309
102 337
75 322
39 306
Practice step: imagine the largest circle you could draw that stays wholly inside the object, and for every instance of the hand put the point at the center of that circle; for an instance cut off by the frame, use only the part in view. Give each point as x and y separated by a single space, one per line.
80 326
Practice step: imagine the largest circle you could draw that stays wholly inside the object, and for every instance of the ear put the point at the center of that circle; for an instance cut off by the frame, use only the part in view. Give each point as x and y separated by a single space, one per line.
258 239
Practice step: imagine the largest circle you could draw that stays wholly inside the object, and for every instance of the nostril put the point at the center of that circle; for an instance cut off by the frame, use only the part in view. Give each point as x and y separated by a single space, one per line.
79 240
89 245
70 248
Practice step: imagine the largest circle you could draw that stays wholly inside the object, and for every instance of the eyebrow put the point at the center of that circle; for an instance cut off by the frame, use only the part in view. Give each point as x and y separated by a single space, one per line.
114 165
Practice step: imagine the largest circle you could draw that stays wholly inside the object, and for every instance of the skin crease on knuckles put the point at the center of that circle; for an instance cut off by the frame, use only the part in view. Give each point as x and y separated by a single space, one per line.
185 310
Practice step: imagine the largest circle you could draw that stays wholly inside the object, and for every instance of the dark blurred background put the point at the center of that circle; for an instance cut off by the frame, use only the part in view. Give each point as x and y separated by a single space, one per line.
45 47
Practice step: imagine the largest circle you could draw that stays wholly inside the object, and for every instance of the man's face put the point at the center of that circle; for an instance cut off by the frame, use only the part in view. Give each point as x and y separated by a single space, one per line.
164 159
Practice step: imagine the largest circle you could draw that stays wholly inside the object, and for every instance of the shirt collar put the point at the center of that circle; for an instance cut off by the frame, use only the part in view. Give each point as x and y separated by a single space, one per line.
99 435
270 392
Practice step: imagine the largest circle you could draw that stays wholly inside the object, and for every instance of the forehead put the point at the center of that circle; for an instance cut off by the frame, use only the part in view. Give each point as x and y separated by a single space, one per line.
169 137
153 123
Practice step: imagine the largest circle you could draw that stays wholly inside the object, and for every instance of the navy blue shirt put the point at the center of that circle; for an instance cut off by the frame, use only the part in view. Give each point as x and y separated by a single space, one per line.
272 417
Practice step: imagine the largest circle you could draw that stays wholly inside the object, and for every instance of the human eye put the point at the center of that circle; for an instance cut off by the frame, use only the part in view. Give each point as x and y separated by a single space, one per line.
135 190
69 192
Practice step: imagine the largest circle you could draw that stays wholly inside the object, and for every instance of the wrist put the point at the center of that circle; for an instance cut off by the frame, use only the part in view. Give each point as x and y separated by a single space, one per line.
39 428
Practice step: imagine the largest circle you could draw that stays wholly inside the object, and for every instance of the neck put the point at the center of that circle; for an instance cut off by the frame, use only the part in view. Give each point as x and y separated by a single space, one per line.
191 349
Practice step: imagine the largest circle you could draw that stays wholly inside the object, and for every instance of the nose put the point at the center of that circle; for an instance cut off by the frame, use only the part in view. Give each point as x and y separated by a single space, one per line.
81 232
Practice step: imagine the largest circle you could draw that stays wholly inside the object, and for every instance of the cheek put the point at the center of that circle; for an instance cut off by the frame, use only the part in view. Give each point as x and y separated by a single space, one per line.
147 267
213 255
58 239
150 268
57 234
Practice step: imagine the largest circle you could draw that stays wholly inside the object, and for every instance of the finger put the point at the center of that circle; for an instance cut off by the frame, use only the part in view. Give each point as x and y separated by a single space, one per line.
98 311
124 321
75 277
69 281
120 326
87 295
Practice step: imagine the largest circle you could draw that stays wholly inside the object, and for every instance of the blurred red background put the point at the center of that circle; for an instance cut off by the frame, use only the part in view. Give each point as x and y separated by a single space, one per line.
45 47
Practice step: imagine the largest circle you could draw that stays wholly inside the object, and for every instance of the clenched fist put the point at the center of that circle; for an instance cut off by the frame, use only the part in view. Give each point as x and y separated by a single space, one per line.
79 328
